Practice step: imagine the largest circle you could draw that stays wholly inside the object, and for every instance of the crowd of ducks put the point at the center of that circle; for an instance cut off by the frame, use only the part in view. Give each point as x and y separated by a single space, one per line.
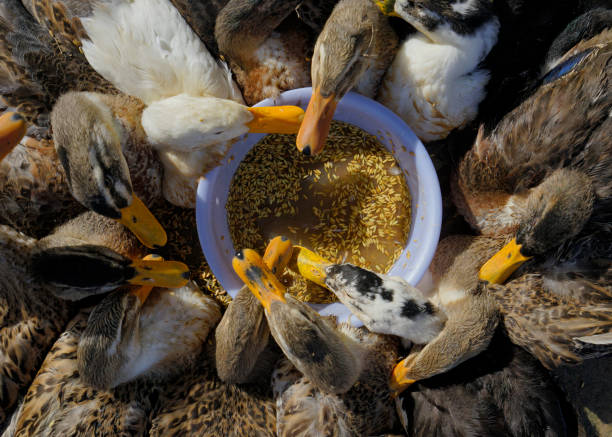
114 107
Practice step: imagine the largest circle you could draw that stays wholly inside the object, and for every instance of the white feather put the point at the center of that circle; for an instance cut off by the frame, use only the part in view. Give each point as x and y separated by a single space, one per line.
173 327
146 49
186 123
435 84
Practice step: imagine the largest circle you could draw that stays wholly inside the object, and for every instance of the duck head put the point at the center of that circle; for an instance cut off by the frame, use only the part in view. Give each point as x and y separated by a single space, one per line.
89 140
355 37
140 331
330 359
556 211
77 272
443 21
386 305
12 129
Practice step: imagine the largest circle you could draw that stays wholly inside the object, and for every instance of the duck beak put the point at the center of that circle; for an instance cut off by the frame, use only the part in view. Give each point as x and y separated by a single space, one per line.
261 281
158 273
12 129
399 380
143 291
501 265
387 7
277 254
276 119
310 265
315 128
138 219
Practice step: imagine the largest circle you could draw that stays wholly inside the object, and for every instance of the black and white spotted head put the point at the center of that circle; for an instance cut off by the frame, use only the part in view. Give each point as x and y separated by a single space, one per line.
447 18
386 305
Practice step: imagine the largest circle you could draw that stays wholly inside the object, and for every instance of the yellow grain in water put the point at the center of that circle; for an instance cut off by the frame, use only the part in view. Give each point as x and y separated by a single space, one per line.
350 203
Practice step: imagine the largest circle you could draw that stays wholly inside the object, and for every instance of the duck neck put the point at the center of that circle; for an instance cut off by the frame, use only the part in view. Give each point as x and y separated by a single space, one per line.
242 25
457 54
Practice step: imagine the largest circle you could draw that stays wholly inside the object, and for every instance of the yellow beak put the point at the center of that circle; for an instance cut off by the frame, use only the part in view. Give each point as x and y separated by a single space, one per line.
315 127
159 273
143 291
277 254
12 129
399 380
276 119
138 219
387 7
310 265
261 281
501 265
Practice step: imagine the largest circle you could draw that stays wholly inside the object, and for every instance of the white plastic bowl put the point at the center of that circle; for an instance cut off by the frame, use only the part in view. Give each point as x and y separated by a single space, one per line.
392 132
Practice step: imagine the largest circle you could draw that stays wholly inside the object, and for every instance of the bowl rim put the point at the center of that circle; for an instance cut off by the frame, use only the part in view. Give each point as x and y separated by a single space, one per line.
356 103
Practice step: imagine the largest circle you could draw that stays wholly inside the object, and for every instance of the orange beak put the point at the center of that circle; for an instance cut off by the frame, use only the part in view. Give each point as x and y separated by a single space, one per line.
399 380
12 129
138 219
277 254
501 265
154 272
315 127
310 265
143 291
276 119
261 281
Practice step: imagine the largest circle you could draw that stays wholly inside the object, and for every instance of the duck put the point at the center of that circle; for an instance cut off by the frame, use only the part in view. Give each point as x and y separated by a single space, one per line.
435 82
243 350
159 380
359 49
37 68
268 44
107 367
87 256
150 92
569 110
502 391
334 379
468 368
175 75
448 322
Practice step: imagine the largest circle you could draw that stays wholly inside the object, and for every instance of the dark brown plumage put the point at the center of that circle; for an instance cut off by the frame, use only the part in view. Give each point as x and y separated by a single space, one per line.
502 391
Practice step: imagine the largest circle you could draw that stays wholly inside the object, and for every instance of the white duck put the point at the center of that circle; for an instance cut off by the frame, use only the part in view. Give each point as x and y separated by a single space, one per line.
193 107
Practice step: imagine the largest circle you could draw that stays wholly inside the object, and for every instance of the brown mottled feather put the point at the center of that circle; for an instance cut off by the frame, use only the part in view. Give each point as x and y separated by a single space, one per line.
564 124
58 403
547 322
38 65
200 404
34 194
31 316
366 409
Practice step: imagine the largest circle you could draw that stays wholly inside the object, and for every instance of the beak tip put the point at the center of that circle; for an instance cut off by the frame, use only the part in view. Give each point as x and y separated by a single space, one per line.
186 275
306 150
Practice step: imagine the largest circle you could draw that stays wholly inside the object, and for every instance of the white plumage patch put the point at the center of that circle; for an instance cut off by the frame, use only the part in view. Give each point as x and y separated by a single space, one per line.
464 7
146 49
187 123
172 329
434 82
386 305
